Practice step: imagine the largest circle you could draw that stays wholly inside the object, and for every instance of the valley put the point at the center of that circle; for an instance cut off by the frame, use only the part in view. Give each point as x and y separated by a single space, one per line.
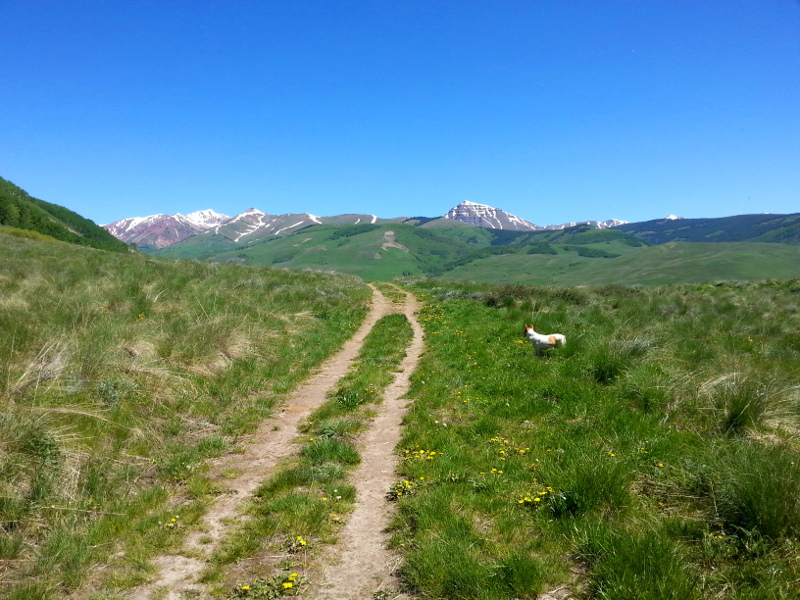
219 419
576 256
156 444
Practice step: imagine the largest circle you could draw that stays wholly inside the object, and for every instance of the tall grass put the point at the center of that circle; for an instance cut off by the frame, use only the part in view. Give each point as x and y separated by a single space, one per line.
654 456
120 376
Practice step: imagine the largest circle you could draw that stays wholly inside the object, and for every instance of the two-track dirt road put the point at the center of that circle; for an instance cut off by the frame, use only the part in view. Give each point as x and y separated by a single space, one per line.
360 564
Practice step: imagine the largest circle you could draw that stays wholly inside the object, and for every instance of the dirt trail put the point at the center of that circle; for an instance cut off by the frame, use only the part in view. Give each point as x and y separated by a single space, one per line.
364 559
365 566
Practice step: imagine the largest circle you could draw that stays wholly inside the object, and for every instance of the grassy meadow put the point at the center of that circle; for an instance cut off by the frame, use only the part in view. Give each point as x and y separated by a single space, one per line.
667 264
120 376
655 456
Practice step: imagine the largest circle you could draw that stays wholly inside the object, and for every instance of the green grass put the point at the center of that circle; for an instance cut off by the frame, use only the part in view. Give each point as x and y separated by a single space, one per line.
303 506
120 377
654 456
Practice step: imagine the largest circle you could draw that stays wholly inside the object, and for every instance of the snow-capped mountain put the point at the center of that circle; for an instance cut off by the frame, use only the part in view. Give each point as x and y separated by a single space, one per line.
156 231
159 231
481 215
253 224
597 224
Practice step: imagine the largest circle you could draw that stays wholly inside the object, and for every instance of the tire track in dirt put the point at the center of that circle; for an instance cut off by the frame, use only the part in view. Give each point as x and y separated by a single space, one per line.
364 565
178 573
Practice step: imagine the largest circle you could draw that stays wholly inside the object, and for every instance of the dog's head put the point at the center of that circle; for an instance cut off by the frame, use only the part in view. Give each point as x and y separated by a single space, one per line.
527 329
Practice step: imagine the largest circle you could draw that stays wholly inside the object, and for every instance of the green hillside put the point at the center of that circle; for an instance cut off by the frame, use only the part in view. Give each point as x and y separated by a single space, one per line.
122 376
654 457
20 210
577 256
375 252
675 262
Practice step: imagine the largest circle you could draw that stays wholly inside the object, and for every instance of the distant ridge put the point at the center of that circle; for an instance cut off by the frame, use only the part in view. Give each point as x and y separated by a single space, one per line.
157 232
161 231
783 229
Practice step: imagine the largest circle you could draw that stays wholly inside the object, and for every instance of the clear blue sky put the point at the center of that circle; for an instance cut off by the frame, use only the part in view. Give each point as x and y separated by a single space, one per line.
552 110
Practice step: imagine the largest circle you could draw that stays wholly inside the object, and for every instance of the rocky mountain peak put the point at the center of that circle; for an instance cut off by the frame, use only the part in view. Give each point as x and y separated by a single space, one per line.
206 218
482 215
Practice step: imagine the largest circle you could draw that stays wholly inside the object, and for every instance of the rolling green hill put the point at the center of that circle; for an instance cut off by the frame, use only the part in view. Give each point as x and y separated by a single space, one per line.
687 251
376 252
672 263
577 256
21 211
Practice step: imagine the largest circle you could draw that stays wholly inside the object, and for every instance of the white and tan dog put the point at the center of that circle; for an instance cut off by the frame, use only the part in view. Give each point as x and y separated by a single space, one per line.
543 342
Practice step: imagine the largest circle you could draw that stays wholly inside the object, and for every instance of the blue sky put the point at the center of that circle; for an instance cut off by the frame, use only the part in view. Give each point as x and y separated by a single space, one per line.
554 111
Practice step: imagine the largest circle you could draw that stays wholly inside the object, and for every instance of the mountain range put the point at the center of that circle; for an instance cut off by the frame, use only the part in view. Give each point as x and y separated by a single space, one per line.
472 241
160 231
481 243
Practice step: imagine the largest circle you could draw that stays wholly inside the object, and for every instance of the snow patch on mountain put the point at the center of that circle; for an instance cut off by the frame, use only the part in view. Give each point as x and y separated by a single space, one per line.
206 219
292 226
597 224
159 231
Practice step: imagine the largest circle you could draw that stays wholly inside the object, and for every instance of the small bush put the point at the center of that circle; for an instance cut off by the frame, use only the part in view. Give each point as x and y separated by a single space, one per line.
522 574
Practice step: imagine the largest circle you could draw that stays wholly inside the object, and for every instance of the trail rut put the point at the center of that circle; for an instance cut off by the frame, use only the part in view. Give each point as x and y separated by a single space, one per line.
364 566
